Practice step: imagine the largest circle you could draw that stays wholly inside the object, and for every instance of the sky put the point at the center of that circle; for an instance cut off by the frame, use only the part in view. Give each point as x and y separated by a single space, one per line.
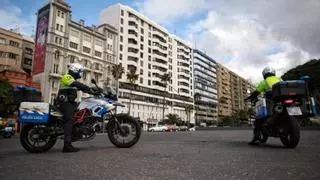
243 35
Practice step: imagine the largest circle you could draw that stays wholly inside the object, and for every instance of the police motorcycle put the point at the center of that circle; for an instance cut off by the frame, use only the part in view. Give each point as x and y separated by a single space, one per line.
42 122
279 109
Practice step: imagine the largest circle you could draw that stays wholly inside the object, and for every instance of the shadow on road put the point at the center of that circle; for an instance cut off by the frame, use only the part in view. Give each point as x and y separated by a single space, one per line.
245 144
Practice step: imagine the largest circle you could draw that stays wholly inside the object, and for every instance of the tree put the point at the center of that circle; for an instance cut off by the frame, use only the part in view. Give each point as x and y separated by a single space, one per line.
117 72
7 105
188 110
173 119
165 78
197 97
132 77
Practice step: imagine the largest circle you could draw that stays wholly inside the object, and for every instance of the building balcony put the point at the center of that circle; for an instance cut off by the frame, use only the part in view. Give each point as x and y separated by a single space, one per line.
132 31
160 56
184 73
158 83
183 80
162 43
160 38
156 48
133 36
55 74
132 18
162 65
133 23
133 54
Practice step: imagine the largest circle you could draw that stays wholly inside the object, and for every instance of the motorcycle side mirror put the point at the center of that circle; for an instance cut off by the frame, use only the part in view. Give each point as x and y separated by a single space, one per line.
93 81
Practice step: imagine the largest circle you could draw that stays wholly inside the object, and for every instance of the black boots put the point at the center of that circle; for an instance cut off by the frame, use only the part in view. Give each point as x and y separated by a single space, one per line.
69 148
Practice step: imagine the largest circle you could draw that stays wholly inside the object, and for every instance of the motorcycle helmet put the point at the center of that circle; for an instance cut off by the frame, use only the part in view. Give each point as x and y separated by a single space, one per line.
268 71
76 70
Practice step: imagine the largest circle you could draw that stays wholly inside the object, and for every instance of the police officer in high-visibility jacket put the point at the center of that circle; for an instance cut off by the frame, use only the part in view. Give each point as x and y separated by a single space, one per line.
265 86
66 101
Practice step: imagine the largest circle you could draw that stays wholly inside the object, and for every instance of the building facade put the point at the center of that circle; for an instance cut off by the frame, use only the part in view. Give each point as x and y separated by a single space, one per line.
205 88
149 49
27 54
67 42
224 92
10 49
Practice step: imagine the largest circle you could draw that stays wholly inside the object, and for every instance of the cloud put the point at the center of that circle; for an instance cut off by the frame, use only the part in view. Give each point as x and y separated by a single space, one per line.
12 17
167 11
247 35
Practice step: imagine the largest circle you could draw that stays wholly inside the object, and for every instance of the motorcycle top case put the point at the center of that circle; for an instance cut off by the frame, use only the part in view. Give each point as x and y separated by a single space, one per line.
34 112
285 89
261 109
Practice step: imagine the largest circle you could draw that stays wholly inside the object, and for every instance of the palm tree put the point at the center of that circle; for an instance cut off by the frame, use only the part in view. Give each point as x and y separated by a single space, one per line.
165 79
197 97
117 72
188 110
132 77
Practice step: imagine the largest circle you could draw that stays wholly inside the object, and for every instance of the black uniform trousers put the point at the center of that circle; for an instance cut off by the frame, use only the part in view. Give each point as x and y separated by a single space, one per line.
68 109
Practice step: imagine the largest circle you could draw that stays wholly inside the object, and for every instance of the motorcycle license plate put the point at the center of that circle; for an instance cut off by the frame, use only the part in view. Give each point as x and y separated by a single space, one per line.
294 111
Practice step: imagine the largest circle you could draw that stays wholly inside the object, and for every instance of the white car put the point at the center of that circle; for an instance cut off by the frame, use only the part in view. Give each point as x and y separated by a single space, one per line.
192 129
158 128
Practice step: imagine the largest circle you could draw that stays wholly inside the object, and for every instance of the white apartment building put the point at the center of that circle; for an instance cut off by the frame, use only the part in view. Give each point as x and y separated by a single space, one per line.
68 42
205 82
152 51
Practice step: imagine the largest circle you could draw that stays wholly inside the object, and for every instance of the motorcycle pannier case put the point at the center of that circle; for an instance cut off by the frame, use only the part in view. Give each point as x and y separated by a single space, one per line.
261 110
34 112
285 89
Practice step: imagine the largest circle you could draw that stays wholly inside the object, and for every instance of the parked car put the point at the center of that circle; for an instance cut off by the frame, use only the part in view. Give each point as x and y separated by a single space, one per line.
192 129
158 128
7 131
172 128
183 128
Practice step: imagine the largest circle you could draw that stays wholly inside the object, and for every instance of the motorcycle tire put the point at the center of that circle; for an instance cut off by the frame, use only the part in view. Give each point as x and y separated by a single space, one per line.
27 145
113 131
292 136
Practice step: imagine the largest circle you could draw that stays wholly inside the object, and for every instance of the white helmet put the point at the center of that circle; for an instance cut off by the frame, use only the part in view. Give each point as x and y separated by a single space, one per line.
268 71
76 69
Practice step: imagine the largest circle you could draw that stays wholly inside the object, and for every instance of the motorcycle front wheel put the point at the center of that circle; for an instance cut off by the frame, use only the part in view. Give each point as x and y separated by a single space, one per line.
131 131
35 139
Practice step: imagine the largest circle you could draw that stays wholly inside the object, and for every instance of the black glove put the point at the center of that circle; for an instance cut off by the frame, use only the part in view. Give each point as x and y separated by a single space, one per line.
94 91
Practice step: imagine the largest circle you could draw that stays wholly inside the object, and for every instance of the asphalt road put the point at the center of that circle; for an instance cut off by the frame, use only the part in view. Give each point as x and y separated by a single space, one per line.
177 155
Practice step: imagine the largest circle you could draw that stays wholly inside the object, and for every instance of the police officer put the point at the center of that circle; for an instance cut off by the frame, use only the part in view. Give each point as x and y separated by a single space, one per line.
67 101
265 86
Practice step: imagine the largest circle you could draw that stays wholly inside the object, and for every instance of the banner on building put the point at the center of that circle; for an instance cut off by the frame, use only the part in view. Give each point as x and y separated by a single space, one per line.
41 40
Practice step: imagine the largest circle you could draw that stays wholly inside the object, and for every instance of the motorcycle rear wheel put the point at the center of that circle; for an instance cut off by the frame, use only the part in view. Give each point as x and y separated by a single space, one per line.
292 136
31 137
130 126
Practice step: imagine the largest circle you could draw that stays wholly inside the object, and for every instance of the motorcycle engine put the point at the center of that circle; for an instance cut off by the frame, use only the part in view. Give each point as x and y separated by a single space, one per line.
88 128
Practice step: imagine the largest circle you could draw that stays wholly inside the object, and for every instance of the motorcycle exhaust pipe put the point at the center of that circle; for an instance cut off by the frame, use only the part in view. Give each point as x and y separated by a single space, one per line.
278 109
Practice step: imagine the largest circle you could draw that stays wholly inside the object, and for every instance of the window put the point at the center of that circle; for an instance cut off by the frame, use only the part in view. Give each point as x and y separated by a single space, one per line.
60 41
149 50
110 47
84 75
142 23
87 38
150 27
55 68
97 53
170 60
121 29
142 31
149 66
170 53
110 35
12 56
108 57
149 35
2 54
72 58
121 47
58 13
149 74
2 41
56 55
28 51
141 38
86 49
170 46
149 42
96 77
141 63
62 15
141 80
149 82
122 12
99 42
53 85
170 67
73 45
141 72
61 28
96 66
121 21
141 54
141 46
120 56
13 43
56 40
74 33
57 27
149 57
121 38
